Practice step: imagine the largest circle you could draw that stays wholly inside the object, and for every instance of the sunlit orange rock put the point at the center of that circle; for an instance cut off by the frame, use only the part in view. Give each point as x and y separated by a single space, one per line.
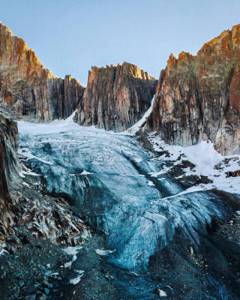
116 97
29 89
198 97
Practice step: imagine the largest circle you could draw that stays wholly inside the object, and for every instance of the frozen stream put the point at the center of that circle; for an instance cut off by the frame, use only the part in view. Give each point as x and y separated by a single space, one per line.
108 177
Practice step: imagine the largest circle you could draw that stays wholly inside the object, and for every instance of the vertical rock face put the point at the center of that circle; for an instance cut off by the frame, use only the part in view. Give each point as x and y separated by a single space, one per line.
8 151
23 205
30 89
198 97
73 94
8 167
116 97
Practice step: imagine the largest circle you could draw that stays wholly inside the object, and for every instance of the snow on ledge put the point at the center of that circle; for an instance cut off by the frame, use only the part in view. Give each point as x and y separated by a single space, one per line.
207 162
59 126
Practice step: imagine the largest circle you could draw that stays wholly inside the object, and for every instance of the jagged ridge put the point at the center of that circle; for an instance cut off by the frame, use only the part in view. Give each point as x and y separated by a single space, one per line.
116 97
28 88
198 97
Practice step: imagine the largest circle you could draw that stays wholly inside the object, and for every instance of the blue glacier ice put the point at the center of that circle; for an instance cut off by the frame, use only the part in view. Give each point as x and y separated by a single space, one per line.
107 177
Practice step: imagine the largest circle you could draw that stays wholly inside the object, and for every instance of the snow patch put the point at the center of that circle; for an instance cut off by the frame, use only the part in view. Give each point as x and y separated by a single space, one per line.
207 162
78 278
72 251
3 251
55 126
104 252
162 293
84 172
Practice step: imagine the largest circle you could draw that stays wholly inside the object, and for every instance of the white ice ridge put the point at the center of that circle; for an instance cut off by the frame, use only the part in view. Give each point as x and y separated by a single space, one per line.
137 126
58 126
55 126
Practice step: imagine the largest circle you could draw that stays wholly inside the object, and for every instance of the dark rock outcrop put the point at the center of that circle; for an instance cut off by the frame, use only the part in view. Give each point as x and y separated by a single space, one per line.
28 88
198 97
23 204
116 97
9 168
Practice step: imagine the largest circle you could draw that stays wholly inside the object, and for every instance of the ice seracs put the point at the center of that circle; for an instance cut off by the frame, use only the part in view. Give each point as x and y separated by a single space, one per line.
121 190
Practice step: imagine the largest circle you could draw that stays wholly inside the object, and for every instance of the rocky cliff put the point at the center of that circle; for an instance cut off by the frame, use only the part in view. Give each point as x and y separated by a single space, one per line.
22 203
116 97
30 89
9 168
32 224
198 97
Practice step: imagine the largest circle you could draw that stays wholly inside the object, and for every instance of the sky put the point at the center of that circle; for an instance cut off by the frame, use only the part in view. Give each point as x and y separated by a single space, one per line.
70 36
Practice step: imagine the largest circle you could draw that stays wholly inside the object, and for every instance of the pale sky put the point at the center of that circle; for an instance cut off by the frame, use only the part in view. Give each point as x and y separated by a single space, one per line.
70 36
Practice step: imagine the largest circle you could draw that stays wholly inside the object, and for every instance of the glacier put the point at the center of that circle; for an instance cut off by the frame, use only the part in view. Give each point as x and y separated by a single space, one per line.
116 186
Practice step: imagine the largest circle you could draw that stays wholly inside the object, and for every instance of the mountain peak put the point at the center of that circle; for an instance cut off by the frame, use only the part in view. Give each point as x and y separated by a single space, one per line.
28 87
198 96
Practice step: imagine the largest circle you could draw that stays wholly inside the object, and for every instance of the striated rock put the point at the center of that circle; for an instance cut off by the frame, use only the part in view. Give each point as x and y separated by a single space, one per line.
198 97
23 205
73 94
28 88
116 97
9 168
